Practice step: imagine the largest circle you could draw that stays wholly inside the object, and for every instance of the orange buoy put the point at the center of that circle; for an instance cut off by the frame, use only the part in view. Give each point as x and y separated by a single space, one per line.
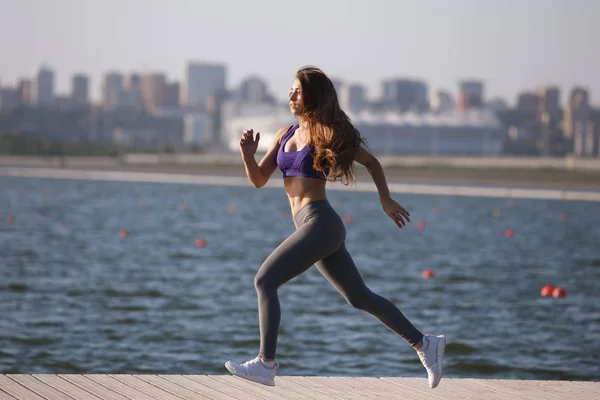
436 209
420 225
200 243
123 233
496 212
231 209
428 273
547 290
348 219
11 219
183 206
559 292
509 233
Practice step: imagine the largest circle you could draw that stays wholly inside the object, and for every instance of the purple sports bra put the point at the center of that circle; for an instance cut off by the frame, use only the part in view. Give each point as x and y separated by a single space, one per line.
297 163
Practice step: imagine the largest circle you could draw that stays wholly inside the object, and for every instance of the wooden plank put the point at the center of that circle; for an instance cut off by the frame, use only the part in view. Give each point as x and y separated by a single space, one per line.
144 387
469 389
172 387
221 387
547 389
186 381
119 387
89 385
5 396
229 391
340 390
66 387
416 388
506 392
253 389
17 390
33 384
315 390
377 388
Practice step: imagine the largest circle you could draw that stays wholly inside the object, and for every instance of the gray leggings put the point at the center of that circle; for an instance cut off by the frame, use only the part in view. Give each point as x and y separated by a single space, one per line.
319 239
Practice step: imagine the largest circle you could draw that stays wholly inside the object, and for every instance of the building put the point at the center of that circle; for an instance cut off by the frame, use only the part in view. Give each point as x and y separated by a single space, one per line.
440 101
405 95
198 130
577 124
352 98
172 94
200 81
474 132
113 94
470 95
25 89
253 89
154 86
80 89
9 98
527 102
549 100
133 91
43 88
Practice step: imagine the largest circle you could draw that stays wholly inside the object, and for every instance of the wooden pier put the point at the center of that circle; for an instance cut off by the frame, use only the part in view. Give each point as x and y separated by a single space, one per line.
217 387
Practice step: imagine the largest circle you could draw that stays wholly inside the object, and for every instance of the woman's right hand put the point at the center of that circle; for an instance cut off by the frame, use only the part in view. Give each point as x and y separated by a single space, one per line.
249 144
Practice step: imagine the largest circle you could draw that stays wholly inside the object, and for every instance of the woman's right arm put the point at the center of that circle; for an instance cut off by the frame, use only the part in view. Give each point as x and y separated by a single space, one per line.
259 173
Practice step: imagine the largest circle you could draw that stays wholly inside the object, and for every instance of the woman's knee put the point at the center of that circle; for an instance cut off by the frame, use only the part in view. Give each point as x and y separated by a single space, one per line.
361 301
263 283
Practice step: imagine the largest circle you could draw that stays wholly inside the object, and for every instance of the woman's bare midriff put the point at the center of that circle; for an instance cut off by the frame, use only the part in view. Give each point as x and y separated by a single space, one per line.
302 191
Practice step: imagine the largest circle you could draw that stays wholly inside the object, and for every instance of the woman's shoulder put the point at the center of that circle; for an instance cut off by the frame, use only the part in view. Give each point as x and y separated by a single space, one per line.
281 132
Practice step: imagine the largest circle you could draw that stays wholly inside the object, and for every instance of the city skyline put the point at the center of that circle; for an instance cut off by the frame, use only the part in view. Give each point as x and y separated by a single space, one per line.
446 43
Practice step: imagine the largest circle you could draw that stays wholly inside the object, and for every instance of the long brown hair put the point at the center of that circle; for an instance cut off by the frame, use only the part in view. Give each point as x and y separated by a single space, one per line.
331 133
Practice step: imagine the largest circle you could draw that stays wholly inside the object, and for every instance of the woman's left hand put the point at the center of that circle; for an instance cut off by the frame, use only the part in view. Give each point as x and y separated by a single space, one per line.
396 212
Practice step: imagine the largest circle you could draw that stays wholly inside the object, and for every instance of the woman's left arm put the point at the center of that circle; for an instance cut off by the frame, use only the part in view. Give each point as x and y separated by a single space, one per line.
394 210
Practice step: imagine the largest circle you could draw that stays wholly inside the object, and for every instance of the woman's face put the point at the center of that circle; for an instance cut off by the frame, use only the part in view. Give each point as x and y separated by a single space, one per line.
295 98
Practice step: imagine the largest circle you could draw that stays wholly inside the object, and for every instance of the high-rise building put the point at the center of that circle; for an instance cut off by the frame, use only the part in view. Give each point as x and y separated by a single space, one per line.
25 89
201 80
527 102
441 101
470 95
80 89
113 95
549 99
153 90
253 89
352 97
133 90
405 94
172 94
43 87
576 121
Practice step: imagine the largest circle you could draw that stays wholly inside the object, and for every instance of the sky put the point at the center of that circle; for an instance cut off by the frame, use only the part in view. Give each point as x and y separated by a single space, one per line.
512 45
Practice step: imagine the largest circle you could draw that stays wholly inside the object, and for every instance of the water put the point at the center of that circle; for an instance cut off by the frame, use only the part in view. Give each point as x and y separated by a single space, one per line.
76 297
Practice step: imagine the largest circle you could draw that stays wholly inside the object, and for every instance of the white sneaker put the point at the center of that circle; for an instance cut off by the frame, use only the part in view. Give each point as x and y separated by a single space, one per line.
432 355
254 370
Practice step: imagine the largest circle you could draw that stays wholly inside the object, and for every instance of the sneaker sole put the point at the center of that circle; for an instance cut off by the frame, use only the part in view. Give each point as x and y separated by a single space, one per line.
440 356
260 380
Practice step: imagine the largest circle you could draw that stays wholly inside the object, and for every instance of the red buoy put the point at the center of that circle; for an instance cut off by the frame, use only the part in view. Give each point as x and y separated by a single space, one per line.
559 292
200 243
428 273
348 219
547 290
123 233
11 219
564 216
509 233
420 225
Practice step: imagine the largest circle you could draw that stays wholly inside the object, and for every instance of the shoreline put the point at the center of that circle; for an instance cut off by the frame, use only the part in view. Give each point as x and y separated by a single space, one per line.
227 179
